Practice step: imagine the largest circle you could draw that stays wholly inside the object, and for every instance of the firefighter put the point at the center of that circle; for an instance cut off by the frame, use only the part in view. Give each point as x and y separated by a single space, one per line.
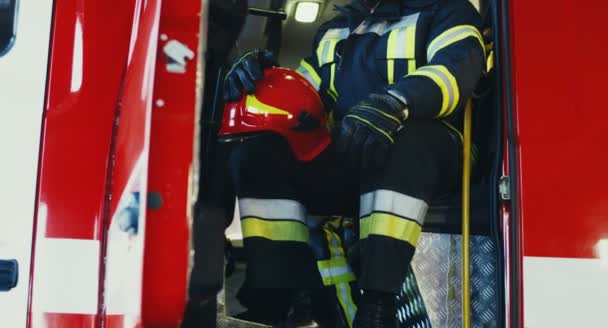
395 75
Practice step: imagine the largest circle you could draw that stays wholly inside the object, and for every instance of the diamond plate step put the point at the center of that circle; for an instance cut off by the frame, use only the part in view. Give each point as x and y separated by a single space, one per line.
437 266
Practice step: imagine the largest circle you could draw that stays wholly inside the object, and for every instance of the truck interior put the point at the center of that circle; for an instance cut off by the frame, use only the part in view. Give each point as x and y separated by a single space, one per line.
237 26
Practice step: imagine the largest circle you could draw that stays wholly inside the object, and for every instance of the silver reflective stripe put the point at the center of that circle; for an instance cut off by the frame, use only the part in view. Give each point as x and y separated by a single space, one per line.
395 203
400 44
308 76
405 22
350 307
325 52
327 45
445 80
272 209
381 28
334 272
395 93
336 33
453 35
369 27
343 289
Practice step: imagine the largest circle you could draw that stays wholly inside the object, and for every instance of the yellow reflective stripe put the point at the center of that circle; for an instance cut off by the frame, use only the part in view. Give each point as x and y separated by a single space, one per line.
451 127
335 270
452 36
376 110
332 78
326 51
411 49
410 42
345 297
321 51
401 44
333 262
390 70
275 230
332 49
372 126
331 280
446 82
309 73
490 63
342 282
391 50
255 106
327 46
335 245
411 65
384 224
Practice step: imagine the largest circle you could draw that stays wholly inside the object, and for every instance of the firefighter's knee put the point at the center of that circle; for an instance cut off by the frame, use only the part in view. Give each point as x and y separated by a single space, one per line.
423 162
255 160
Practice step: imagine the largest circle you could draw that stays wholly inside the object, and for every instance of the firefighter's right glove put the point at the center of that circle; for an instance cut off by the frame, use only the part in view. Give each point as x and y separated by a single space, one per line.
245 72
366 132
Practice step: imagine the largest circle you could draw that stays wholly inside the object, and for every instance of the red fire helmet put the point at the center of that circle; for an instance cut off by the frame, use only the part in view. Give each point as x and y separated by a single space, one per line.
285 103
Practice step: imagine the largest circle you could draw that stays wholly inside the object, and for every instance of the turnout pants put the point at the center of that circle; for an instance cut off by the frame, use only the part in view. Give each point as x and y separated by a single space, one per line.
277 193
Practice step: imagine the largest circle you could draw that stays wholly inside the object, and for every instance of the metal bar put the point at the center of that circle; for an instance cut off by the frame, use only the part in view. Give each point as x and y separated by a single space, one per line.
466 212
515 284
268 13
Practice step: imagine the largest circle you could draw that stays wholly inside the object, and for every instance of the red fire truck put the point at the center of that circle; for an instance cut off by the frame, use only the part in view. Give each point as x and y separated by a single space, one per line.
113 206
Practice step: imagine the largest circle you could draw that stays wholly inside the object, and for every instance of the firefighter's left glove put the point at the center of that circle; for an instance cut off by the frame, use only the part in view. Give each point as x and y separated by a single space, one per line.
366 133
245 72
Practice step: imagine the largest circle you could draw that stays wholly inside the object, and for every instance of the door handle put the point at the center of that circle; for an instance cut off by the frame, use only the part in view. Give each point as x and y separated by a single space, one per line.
9 274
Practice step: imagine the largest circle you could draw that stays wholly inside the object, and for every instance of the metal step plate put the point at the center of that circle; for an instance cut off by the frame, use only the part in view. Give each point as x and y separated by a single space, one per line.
437 269
437 266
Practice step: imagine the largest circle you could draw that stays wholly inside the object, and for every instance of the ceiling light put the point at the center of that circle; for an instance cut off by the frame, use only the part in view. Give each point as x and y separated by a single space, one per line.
601 249
306 12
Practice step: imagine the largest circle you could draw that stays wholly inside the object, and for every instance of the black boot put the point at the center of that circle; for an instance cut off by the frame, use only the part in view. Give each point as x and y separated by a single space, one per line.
301 312
377 310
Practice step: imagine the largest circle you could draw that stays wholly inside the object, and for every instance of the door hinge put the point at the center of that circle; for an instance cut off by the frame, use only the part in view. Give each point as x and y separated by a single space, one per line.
504 188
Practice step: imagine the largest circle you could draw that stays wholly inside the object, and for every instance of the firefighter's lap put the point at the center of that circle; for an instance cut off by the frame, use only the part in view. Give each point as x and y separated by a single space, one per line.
394 77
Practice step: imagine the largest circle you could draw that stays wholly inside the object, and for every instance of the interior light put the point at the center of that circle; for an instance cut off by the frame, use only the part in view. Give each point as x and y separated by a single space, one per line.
601 249
306 12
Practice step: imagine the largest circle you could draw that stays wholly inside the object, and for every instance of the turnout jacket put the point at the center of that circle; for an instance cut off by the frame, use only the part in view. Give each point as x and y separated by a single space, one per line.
428 53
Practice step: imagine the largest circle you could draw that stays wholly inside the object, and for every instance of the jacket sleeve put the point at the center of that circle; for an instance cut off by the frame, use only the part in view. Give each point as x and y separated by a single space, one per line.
310 68
456 61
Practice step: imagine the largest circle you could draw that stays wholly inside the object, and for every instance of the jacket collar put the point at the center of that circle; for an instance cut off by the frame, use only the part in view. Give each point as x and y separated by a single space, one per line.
386 10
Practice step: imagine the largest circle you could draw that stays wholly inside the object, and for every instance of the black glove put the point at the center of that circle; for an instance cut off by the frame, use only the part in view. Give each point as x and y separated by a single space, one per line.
366 132
245 72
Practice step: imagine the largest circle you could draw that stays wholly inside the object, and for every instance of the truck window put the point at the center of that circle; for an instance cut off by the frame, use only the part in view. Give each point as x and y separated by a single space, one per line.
8 22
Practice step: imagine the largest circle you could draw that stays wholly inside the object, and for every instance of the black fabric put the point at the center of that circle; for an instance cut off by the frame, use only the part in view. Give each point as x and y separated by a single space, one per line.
377 310
382 273
423 163
281 264
327 306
